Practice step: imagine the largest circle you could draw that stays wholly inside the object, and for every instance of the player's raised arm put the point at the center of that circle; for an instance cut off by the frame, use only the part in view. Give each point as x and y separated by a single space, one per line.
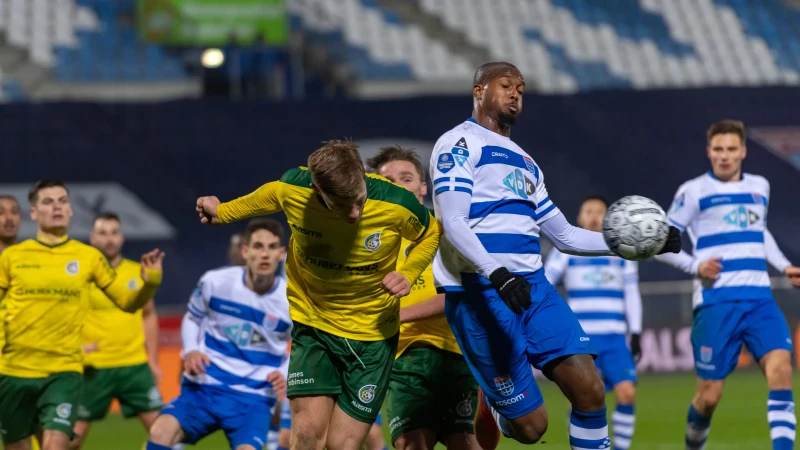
422 228
261 202
117 289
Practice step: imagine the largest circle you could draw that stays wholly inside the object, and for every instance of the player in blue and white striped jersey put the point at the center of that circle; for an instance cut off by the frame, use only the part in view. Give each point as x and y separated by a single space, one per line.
491 199
724 212
235 337
603 293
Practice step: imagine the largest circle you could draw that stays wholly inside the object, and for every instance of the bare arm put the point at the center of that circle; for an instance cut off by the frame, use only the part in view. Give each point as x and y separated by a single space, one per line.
432 307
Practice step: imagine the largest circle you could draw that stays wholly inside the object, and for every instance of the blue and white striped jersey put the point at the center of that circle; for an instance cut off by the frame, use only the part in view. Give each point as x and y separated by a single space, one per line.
509 199
726 220
244 335
602 291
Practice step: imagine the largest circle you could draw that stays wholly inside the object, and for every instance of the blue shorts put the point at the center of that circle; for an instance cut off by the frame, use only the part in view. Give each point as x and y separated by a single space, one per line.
614 359
378 420
202 410
500 347
719 330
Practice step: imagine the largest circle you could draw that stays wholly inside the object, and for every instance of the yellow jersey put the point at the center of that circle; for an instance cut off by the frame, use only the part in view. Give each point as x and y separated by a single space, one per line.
434 331
45 289
335 268
119 335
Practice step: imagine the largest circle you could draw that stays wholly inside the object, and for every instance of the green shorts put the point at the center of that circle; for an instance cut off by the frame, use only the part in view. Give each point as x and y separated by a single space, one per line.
431 389
27 402
133 386
356 371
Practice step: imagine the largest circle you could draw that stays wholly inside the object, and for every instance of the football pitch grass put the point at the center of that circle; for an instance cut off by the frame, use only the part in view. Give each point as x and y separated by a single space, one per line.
740 422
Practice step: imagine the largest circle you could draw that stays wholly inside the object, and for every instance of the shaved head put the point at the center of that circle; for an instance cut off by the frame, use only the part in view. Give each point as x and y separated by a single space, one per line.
488 71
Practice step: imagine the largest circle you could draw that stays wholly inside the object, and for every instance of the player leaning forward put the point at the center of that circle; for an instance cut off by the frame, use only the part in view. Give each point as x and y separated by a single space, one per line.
506 316
347 228
45 284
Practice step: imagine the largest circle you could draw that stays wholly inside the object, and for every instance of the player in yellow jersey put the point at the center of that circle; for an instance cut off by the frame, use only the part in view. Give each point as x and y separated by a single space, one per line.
432 393
343 286
125 364
45 284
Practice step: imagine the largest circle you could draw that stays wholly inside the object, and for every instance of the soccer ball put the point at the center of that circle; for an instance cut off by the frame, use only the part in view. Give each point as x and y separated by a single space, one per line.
635 228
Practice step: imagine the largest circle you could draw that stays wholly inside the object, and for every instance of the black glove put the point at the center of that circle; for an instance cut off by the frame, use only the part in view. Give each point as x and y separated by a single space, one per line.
636 347
513 289
673 244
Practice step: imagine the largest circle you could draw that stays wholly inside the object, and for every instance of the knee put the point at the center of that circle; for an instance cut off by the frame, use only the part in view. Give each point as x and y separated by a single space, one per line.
591 395
779 376
708 396
625 393
163 431
529 429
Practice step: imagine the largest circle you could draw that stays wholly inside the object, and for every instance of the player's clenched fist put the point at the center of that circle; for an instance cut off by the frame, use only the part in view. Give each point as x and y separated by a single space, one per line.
151 261
278 383
207 210
794 275
195 362
710 268
396 284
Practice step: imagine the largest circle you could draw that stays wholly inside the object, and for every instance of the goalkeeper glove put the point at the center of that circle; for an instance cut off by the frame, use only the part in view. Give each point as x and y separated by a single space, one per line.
513 289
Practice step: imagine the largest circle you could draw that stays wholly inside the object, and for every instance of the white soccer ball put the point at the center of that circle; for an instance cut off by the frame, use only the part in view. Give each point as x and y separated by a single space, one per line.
635 228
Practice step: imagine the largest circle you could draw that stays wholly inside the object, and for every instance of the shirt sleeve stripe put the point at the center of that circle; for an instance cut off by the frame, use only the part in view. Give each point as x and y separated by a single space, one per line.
676 224
452 180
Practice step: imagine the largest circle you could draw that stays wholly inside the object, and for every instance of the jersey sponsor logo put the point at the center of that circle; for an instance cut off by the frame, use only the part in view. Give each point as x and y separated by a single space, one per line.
706 353
460 155
445 163
464 407
298 378
27 266
361 407
741 217
462 143
519 184
306 231
239 334
73 267
367 393
373 241
258 338
504 385
585 339
64 410
678 203
598 277
47 292
133 284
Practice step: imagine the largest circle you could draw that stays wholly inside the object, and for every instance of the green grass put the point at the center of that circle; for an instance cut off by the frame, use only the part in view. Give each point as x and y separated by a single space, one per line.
739 424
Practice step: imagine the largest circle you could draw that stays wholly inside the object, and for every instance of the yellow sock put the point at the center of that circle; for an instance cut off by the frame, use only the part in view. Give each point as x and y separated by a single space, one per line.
34 444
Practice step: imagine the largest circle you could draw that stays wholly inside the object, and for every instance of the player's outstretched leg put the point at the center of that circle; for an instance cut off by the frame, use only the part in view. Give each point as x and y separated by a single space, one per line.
777 367
698 421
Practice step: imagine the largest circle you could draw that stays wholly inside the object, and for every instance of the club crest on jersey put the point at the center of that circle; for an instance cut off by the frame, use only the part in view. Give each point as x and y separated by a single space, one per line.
373 241
464 408
73 267
64 410
678 203
706 353
133 284
270 322
741 217
531 166
367 393
504 385
519 184
408 249
445 163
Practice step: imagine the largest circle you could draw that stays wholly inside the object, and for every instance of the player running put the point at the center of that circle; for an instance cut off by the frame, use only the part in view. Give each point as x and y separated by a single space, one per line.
725 214
235 336
432 394
124 365
603 292
45 284
492 201
344 284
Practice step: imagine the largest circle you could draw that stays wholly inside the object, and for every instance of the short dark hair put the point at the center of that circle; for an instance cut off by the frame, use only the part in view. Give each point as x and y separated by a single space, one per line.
33 194
396 153
271 225
726 126
336 169
596 197
106 215
489 70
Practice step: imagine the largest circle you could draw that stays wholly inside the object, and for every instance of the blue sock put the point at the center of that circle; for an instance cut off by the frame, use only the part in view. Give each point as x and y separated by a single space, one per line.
282 448
782 422
697 427
499 419
622 422
589 430
151 446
